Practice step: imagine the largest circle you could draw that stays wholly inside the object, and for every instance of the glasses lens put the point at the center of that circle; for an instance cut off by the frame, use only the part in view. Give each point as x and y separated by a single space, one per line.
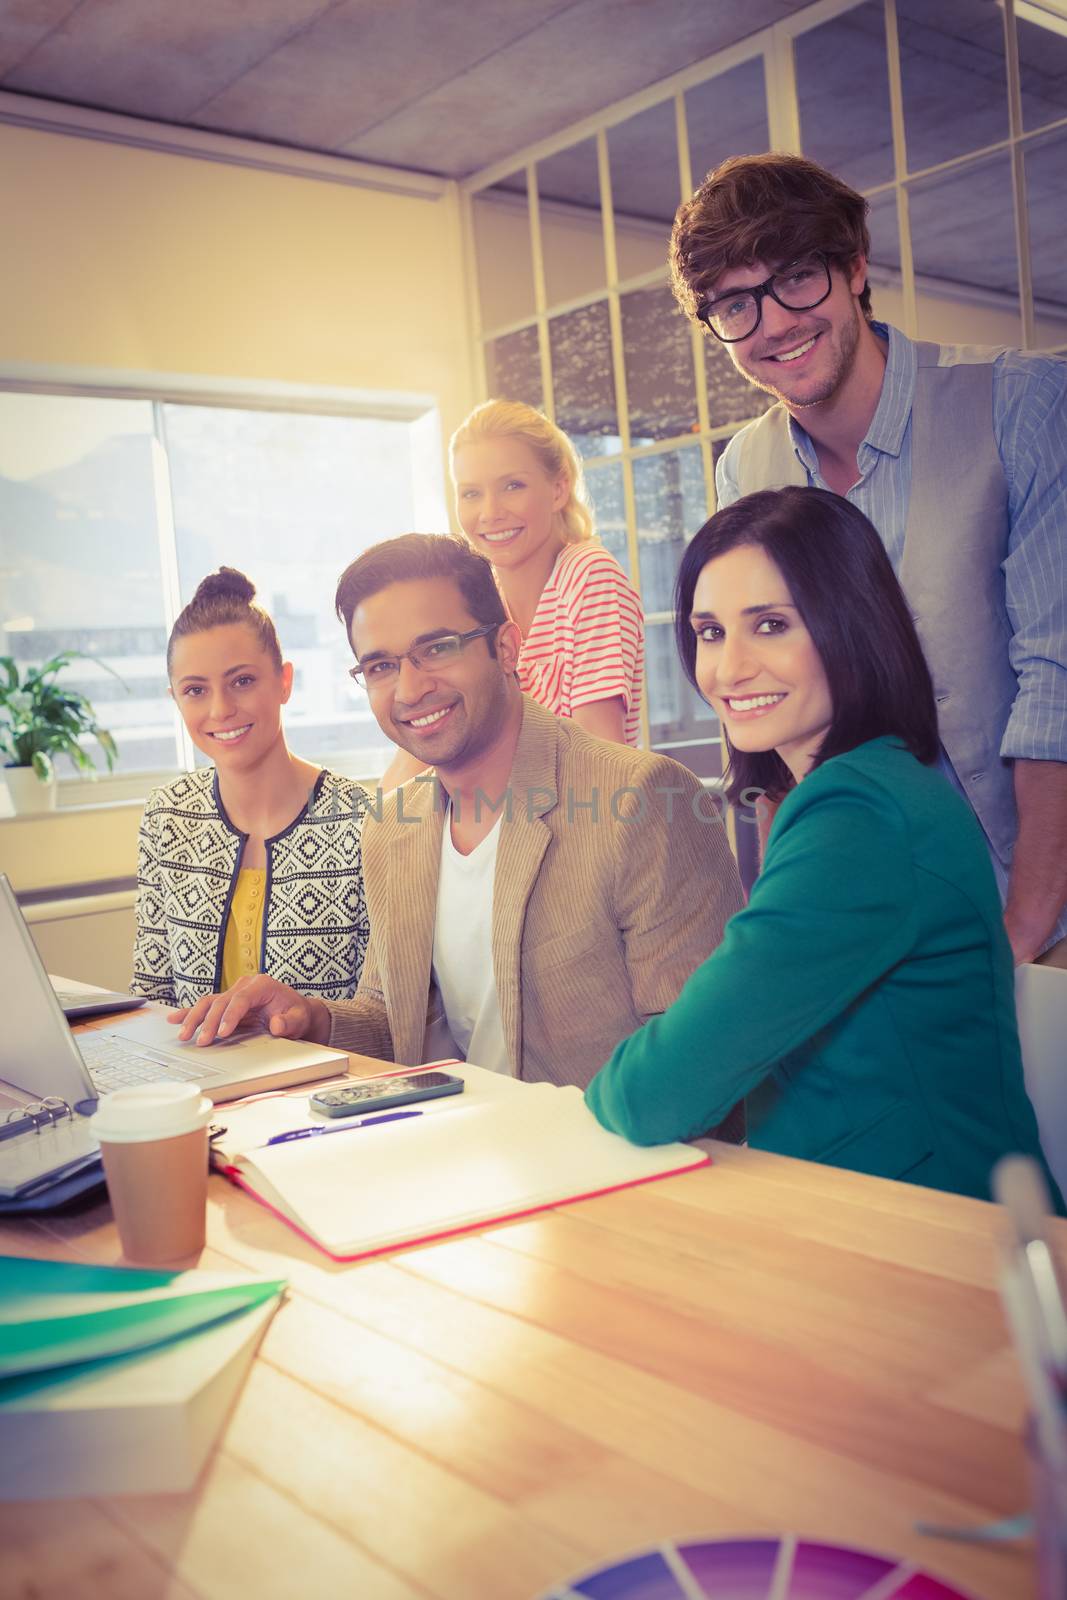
803 285
438 651
734 317
384 670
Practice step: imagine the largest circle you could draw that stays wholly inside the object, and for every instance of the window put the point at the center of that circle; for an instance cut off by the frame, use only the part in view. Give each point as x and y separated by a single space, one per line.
112 509
910 102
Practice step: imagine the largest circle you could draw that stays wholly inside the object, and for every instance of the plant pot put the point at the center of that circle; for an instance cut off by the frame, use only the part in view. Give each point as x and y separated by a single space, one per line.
28 793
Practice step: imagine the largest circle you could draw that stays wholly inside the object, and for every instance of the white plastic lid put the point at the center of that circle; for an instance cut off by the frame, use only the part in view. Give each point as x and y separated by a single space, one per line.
150 1111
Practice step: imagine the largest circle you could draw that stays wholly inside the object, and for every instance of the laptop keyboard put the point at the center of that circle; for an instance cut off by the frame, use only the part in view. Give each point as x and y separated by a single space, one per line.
113 1064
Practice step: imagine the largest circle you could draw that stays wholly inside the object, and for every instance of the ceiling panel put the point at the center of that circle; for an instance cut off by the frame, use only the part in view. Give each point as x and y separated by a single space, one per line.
441 86
365 61
25 23
154 58
593 53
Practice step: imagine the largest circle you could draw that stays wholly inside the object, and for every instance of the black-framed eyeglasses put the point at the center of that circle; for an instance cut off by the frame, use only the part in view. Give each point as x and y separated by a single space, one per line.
801 286
439 651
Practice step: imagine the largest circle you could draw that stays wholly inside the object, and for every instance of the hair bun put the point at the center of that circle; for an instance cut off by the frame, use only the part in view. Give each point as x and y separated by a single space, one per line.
226 583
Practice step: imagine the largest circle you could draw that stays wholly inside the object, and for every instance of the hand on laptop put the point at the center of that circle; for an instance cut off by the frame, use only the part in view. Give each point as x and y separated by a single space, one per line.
281 1010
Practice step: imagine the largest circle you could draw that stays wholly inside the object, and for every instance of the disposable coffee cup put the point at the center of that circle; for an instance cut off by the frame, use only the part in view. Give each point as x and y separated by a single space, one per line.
154 1142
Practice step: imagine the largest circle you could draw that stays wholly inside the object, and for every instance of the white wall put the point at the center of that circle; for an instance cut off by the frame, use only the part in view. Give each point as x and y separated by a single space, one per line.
90 939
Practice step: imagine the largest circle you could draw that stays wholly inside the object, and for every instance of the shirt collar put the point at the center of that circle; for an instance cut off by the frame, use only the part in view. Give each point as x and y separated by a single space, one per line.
891 417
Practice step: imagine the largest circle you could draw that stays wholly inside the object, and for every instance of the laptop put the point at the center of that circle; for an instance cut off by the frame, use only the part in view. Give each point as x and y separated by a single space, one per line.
82 1003
41 1056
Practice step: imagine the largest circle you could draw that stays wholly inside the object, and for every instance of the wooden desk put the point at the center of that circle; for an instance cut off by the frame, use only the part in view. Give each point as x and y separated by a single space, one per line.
759 1347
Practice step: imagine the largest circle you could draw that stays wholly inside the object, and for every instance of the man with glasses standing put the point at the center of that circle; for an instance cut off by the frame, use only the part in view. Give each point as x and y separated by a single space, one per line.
957 454
539 893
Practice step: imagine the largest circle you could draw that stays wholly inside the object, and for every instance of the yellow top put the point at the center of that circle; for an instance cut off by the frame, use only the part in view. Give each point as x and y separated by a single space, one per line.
244 927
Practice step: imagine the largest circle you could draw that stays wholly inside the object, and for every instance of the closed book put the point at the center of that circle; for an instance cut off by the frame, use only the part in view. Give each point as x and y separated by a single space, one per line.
119 1381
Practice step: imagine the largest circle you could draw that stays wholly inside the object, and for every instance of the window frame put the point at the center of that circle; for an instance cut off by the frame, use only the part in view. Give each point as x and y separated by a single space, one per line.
159 390
774 46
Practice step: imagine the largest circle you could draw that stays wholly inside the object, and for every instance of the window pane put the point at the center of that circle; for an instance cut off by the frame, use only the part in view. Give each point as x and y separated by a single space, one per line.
970 273
727 116
671 503
645 188
952 76
291 500
501 223
843 90
885 231
1042 66
1046 199
731 398
513 367
604 483
583 380
572 239
884 266
80 560
677 716
658 352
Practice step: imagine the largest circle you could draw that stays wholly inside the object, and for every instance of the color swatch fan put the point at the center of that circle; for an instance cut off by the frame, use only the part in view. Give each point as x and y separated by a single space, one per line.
757 1569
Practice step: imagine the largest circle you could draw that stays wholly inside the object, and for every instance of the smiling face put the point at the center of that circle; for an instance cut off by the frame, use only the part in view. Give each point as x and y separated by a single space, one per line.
801 357
230 694
506 502
756 662
448 716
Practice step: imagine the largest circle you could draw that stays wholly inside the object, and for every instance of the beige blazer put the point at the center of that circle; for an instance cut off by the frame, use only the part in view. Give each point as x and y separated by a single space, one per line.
613 881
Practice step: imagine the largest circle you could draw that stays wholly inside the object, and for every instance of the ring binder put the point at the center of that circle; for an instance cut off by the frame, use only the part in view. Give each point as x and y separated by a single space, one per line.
52 1109
43 1144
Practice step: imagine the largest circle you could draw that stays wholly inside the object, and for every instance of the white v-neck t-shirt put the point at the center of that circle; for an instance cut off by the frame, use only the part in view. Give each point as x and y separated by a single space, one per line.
463 950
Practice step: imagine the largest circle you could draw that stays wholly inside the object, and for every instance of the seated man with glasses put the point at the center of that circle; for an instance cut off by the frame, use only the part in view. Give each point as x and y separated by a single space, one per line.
539 892
957 454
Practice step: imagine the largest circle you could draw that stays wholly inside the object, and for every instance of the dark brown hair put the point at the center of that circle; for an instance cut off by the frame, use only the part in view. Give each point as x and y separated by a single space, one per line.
841 582
422 555
225 596
773 208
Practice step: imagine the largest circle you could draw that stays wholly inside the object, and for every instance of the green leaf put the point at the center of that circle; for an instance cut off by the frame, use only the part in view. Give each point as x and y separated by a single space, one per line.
109 747
45 718
43 766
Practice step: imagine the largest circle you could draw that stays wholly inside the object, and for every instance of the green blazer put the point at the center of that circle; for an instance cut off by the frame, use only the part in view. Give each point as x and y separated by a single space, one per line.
863 1001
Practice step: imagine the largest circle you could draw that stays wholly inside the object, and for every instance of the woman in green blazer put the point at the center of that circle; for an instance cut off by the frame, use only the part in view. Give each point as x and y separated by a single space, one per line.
863 1002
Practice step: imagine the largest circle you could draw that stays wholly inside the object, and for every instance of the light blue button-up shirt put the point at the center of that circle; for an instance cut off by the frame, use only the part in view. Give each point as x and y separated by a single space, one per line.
1030 428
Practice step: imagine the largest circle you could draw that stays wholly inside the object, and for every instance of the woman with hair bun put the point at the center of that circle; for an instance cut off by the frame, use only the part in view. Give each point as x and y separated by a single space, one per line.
253 864
521 501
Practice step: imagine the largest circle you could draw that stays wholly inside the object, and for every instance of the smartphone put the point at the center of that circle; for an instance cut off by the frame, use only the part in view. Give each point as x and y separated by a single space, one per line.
377 1094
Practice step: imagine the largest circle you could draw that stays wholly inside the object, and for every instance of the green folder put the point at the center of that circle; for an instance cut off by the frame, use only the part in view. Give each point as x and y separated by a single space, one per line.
55 1314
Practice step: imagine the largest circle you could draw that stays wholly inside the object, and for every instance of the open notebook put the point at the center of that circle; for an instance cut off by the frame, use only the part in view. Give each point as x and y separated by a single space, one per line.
365 1190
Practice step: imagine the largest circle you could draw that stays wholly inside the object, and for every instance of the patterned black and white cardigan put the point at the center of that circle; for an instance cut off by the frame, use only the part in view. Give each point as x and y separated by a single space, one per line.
315 924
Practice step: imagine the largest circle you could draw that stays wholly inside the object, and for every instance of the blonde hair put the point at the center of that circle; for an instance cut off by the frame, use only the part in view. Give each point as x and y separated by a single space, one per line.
554 451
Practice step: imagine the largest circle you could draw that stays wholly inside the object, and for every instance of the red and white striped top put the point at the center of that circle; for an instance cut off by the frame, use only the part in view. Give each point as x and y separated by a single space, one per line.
587 638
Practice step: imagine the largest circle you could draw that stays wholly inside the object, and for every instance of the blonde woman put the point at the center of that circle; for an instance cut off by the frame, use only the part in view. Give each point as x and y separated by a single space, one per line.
521 501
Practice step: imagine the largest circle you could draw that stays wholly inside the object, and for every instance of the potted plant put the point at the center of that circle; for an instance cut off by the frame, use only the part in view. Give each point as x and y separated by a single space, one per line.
38 720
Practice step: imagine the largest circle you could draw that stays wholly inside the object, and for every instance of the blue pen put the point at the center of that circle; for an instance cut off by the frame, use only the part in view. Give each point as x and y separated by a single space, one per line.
365 1122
